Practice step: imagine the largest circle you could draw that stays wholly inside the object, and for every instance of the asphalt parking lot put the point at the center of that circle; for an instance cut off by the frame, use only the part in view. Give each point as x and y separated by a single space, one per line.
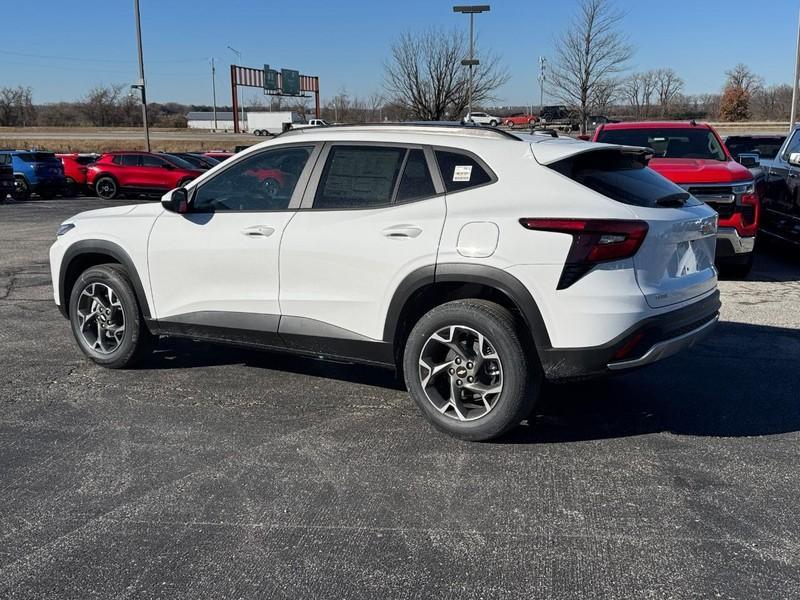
221 473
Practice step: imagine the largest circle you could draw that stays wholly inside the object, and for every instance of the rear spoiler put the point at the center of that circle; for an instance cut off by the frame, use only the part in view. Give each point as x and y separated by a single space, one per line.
548 151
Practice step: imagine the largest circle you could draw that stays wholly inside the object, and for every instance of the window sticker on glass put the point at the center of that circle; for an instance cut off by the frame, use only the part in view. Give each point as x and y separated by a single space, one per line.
462 173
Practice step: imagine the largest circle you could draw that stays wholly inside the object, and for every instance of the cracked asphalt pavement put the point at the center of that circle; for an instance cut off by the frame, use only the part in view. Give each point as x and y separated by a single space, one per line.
213 472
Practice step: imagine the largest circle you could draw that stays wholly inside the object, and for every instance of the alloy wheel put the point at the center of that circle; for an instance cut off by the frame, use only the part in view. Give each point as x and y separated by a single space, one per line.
461 373
101 318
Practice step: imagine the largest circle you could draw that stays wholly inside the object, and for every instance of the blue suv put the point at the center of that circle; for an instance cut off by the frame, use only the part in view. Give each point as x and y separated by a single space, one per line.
35 173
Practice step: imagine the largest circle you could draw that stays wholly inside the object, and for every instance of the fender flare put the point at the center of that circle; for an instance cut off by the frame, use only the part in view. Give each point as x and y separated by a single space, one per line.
100 247
467 273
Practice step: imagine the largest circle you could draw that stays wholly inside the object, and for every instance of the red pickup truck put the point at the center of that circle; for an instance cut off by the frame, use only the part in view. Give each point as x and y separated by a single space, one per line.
693 156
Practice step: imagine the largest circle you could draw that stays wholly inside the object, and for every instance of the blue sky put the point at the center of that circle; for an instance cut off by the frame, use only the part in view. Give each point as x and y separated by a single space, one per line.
61 49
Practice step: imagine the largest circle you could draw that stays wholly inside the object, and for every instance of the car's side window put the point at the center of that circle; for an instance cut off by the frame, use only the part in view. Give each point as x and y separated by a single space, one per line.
128 160
152 161
416 182
262 181
359 177
460 171
793 145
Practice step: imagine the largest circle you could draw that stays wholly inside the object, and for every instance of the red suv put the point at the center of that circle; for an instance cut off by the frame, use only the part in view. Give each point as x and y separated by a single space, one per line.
693 156
138 173
75 169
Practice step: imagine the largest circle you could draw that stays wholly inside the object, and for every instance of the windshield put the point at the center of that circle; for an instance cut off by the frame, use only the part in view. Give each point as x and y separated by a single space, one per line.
691 142
765 147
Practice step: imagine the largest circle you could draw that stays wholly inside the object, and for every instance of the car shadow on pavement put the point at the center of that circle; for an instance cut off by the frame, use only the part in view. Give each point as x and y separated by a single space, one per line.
176 353
743 381
775 262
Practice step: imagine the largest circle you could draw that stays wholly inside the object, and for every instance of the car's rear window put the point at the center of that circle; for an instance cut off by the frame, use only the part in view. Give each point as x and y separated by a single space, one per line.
623 177
86 160
668 142
37 156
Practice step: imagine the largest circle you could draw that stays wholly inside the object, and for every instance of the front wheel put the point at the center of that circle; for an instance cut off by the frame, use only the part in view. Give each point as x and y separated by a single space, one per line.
493 123
105 317
106 188
22 190
466 368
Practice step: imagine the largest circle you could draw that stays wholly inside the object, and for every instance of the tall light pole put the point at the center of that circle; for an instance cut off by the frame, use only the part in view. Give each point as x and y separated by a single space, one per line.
241 94
471 62
214 91
140 83
542 79
796 78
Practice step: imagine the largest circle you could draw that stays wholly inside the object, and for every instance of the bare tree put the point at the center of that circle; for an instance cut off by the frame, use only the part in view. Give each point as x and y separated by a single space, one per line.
426 79
101 105
16 106
590 52
741 77
605 93
638 89
667 86
773 102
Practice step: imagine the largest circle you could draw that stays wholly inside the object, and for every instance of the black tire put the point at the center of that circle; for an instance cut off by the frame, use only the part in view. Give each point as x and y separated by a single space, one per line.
136 340
70 188
521 373
738 267
183 182
106 187
22 190
47 193
492 123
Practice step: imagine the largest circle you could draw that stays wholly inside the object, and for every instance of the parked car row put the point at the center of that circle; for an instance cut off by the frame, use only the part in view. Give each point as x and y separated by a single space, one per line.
108 175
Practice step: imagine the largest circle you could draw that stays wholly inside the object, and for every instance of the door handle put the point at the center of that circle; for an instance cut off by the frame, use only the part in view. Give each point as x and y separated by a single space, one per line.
258 231
402 232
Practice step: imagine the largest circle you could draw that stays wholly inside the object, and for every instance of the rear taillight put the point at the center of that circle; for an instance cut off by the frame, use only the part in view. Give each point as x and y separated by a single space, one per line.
593 241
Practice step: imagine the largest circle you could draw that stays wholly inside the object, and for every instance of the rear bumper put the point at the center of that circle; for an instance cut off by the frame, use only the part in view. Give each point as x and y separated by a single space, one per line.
730 243
646 342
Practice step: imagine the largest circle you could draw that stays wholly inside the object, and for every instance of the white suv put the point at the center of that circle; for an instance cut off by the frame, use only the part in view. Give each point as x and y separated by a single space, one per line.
475 261
482 118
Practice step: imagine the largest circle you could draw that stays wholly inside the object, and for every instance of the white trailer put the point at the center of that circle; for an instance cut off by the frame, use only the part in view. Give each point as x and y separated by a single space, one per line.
272 123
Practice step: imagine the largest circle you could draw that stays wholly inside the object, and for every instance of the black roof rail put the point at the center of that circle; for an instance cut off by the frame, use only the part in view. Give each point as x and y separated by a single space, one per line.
454 125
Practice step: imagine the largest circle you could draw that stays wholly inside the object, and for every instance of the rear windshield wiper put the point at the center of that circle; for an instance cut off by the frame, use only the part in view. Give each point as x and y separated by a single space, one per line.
672 200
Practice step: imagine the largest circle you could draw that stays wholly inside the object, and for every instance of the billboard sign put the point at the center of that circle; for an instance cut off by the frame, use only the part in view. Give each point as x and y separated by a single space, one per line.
290 82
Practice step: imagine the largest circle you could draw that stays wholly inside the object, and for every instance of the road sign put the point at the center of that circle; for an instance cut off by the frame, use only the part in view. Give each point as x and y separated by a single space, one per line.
270 79
290 82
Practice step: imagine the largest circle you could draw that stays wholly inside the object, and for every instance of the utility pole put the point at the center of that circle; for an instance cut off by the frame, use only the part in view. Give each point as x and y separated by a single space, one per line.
140 83
796 79
542 79
471 62
241 93
214 90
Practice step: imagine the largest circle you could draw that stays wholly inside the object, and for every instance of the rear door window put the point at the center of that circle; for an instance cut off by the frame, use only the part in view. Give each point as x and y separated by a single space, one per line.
416 181
127 160
359 177
461 171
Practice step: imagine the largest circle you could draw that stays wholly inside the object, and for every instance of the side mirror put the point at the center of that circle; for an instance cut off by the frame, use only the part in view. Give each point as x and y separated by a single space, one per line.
749 159
794 159
176 201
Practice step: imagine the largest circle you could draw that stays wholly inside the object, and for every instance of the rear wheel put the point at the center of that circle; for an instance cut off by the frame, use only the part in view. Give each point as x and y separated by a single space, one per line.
466 368
22 190
105 317
70 187
106 187
493 123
